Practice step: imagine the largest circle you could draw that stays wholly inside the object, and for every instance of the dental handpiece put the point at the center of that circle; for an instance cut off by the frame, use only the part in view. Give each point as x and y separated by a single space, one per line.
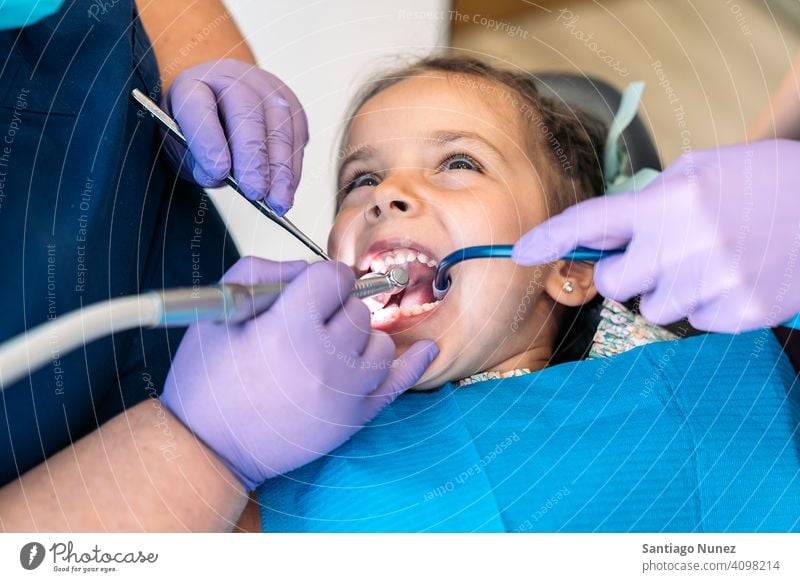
234 303
227 302
171 127
441 281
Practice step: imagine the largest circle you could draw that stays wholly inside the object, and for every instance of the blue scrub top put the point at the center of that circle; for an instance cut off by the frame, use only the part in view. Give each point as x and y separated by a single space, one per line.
695 435
88 211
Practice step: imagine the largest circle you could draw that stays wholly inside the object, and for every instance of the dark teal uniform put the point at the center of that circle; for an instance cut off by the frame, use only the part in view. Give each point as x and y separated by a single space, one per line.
88 211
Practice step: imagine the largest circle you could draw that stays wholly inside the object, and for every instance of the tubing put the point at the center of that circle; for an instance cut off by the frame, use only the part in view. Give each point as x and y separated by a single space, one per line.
229 303
441 281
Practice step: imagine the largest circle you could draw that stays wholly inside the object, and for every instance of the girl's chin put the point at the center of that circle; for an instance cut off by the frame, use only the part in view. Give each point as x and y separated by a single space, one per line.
438 372
434 377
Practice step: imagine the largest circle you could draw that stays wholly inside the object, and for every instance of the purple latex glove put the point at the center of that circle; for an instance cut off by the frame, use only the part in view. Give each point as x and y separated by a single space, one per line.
278 391
234 114
716 237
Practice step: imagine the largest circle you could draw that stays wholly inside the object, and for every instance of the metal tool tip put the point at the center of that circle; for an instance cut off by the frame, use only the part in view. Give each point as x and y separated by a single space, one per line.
399 277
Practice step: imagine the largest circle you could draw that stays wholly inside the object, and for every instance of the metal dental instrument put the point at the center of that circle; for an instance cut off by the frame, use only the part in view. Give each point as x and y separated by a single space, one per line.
227 302
171 127
233 303
441 281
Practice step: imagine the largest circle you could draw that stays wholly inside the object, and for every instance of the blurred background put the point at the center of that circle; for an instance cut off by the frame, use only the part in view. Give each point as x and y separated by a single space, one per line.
709 65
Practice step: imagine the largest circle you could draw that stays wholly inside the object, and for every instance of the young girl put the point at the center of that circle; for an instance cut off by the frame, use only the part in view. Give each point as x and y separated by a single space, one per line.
684 435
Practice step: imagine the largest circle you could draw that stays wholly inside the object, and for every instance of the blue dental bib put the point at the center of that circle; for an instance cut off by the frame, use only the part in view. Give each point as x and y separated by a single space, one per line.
688 435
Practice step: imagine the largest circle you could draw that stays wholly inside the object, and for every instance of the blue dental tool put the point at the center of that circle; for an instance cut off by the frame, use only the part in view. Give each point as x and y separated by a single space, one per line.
441 282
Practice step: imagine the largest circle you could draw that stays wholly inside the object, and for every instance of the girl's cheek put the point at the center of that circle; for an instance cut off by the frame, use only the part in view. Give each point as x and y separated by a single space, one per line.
342 234
458 181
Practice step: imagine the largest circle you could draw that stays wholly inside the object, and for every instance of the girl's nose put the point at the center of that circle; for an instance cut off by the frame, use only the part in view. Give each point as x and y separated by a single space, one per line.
391 198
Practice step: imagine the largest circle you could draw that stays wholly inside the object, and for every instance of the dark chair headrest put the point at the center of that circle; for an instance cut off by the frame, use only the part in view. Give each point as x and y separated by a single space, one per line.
601 100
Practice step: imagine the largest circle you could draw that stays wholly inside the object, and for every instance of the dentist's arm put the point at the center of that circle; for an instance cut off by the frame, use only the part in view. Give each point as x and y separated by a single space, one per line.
237 118
716 238
780 118
185 33
124 477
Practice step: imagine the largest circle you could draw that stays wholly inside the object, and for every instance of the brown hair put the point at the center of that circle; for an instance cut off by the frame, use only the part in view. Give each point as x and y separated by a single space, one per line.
572 139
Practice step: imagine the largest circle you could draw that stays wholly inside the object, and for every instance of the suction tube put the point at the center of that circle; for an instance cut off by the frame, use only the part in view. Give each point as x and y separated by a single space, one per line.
441 282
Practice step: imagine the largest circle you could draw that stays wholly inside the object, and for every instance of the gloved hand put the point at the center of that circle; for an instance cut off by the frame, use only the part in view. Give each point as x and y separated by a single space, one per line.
276 392
234 114
716 238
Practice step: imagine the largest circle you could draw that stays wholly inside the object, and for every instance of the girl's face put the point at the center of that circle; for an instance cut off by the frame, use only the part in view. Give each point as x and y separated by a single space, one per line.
433 164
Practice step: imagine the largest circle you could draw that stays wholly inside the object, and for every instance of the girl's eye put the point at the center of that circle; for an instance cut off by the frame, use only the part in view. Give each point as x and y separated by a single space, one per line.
461 162
365 179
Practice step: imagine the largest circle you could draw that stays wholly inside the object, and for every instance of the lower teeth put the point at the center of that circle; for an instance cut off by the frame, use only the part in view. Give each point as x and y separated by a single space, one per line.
392 312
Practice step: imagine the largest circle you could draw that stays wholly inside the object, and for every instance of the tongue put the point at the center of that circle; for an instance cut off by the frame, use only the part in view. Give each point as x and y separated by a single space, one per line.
420 286
419 294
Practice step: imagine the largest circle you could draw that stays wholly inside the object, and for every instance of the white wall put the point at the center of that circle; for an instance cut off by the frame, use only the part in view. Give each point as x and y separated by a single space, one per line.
322 50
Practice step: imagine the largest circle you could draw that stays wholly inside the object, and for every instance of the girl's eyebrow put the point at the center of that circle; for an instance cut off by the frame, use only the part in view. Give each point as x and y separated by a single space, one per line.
359 153
447 137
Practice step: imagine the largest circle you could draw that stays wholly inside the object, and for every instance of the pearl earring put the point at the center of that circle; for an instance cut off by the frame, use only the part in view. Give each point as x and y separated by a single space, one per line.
567 287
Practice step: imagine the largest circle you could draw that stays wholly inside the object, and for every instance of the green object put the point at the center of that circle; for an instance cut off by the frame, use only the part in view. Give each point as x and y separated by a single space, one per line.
616 163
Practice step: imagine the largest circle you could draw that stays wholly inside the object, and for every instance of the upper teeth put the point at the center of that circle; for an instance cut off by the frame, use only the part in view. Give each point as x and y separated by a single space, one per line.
399 257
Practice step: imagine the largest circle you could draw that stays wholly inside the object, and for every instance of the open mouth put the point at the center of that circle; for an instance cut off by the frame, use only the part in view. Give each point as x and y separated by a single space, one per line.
417 298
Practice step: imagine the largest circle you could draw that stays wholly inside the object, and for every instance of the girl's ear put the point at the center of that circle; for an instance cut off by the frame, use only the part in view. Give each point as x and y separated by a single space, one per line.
571 283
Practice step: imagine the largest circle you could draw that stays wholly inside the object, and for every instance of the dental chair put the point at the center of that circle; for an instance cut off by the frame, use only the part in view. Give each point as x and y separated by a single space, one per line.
601 100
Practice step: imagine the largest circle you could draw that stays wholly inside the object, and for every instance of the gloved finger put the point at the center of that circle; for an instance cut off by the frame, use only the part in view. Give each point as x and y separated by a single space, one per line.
245 125
632 273
693 281
707 318
704 288
405 372
280 145
193 104
605 222
319 292
350 328
256 271
666 304
299 123
720 318
375 364
300 130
